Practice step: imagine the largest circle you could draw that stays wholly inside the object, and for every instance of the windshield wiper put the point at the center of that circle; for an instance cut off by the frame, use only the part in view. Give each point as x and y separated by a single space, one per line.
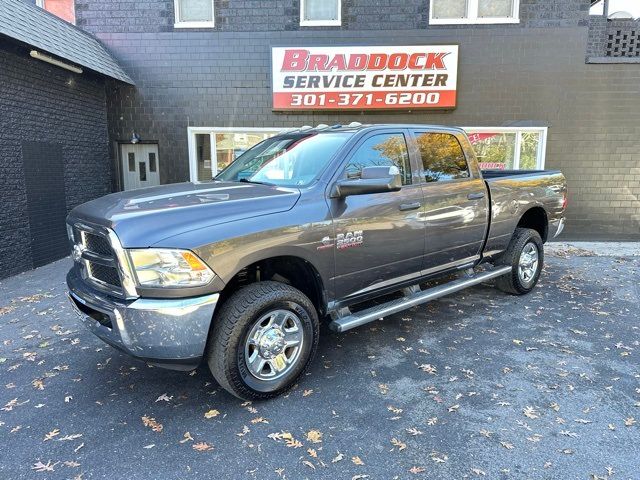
246 180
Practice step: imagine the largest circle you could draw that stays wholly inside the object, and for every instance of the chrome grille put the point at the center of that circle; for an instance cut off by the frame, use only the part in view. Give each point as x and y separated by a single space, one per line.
97 244
104 274
99 260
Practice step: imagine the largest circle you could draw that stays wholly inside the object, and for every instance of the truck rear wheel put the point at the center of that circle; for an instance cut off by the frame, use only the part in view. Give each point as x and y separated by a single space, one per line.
525 255
263 340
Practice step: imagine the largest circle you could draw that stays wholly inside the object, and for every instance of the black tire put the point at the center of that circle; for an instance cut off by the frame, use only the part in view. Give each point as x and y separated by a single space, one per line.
513 282
232 325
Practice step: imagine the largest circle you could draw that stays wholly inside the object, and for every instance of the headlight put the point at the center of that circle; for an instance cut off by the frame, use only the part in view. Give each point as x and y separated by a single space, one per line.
162 267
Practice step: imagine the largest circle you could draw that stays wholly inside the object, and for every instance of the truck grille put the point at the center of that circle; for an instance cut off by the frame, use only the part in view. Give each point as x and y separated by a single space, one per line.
99 261
97 244
104 274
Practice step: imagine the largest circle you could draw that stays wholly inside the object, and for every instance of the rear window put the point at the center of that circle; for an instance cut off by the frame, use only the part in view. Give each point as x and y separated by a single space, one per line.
442 157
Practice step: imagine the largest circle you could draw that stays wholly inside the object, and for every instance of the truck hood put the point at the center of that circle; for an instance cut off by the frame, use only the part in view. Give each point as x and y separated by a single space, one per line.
142 218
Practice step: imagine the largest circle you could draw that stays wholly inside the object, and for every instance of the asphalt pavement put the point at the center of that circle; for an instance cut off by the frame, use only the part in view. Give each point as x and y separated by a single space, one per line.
476 385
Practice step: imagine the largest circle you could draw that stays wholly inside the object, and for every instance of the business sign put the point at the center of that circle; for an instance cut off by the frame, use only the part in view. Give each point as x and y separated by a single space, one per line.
364 78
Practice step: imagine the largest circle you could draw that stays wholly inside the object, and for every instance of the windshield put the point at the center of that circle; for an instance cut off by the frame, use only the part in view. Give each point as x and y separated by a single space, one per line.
293 160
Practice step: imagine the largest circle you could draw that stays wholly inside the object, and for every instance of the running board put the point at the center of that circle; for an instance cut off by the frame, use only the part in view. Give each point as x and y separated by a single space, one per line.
342 324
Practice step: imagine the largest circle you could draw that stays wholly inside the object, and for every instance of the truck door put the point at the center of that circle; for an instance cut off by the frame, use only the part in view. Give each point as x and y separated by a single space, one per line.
379 237
456 202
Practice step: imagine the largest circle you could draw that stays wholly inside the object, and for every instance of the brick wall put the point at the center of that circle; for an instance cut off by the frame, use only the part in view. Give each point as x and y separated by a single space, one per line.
532 73
42 103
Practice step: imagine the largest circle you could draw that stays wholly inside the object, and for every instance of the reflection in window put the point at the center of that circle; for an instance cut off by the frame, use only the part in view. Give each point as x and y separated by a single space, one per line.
494 150
442 157
508 150
132 161
380 151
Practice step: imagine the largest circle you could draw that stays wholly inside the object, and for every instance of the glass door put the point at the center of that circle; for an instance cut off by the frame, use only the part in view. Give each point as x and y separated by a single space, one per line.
211 150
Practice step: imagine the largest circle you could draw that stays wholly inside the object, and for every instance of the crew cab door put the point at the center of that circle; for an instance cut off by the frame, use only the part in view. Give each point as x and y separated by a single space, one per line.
456 203
379 237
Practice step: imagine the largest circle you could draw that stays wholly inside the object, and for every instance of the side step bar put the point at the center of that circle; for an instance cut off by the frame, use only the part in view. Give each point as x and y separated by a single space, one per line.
342 324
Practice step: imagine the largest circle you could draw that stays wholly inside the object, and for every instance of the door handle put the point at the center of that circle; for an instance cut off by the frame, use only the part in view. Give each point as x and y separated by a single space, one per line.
409 206
475 196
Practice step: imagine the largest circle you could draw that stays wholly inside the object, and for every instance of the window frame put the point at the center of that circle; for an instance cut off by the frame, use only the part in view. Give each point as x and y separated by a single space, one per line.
423 171
360 143
320 23
542 145
212 132
472 17
199 24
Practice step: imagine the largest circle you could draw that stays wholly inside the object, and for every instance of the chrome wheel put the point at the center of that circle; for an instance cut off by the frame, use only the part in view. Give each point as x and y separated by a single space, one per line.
528 264
274 344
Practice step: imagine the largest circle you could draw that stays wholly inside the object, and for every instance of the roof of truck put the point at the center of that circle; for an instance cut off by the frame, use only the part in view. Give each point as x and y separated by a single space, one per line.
356 127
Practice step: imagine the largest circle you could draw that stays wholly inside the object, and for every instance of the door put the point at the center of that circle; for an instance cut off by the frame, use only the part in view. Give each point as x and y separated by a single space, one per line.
46 201
379 238
456 203
140 165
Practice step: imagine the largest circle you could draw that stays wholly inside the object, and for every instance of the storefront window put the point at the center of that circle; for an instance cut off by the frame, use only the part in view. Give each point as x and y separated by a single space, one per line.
508 148
211 150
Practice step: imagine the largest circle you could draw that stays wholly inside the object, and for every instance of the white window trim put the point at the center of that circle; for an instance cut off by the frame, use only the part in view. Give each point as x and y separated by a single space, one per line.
542 145
203 24
472 18
40 3
212 131
320 23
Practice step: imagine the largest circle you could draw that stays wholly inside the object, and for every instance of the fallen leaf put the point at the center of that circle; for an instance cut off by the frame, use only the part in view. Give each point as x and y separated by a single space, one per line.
357 460
259 420
397 443
211 414
306 393
416 470
152 423
186 438
164 398
507 445
51 434
530 412
314 436
309 464
201 446
337 458
43 467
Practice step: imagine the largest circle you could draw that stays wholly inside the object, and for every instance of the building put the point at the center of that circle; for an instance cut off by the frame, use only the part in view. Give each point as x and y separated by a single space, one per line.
537 84
54 150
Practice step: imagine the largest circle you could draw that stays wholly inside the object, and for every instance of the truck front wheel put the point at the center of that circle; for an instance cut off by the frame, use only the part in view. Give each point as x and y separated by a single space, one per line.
525 255
263 339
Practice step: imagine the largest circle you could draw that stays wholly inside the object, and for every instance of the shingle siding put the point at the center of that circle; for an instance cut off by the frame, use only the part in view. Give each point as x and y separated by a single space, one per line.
42 103
152 16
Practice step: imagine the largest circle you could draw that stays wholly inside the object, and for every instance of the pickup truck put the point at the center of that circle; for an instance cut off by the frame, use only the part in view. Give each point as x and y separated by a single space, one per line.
310 224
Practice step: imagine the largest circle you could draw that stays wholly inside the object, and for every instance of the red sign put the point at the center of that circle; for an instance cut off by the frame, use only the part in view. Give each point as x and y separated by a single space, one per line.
364 78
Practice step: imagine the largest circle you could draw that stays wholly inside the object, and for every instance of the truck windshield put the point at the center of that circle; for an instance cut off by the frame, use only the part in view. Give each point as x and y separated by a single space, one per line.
293 160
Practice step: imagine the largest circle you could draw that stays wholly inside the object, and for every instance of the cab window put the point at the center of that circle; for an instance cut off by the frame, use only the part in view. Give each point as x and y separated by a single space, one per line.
388 149
442 157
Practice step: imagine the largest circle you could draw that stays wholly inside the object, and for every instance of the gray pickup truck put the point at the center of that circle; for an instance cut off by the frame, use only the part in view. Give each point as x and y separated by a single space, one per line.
309 224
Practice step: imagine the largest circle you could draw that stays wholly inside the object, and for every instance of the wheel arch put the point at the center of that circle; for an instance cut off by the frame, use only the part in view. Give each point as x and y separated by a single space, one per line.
290 269
537 219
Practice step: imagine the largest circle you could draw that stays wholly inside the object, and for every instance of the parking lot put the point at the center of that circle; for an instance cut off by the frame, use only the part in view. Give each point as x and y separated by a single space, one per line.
476 385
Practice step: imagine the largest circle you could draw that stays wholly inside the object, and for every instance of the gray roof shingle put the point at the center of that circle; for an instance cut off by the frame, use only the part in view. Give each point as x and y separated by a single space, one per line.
36 27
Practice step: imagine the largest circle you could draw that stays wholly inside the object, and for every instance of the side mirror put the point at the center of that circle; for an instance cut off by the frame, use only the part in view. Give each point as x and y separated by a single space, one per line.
372 180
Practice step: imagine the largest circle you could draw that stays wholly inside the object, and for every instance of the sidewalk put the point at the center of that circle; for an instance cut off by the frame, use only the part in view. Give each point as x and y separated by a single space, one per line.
594 249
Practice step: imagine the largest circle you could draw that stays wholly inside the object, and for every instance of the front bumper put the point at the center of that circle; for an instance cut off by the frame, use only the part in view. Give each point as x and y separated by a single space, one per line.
171 333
